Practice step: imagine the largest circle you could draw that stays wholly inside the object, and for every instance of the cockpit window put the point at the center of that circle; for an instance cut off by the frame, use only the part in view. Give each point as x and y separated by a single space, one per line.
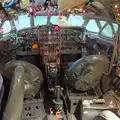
75 20
6 28
54 20
108 32
40 20
72 20
115 27
92 26
102 23
23 21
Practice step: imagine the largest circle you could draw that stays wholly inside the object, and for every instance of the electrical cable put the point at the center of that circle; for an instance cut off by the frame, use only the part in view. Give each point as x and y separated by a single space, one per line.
65 102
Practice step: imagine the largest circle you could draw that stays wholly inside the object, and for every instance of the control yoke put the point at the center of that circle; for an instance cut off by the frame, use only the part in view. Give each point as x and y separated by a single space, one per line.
26 80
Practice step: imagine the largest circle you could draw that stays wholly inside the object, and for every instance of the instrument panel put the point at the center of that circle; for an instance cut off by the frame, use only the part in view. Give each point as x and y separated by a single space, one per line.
49 41
52 38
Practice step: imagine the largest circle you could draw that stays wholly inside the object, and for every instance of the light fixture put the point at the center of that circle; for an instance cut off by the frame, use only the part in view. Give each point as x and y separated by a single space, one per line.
69 10
80 10
84 11
116 6
118 14
56 28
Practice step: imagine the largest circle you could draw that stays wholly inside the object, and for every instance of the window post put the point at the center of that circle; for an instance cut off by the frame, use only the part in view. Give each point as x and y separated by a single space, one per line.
32 21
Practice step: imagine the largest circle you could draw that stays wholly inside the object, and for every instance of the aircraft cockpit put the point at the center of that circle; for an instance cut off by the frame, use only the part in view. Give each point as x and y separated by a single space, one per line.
59 60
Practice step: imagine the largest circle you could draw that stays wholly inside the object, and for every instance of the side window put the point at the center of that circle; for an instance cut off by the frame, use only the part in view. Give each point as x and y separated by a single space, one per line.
107 31
54 20
103 23
92 26
40 20
115 27
6 27
22 22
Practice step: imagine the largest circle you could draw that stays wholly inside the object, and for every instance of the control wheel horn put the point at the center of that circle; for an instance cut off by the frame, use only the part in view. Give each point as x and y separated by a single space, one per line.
26 80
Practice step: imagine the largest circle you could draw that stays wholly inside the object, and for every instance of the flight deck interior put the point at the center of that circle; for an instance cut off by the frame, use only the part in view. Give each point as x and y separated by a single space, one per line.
59 60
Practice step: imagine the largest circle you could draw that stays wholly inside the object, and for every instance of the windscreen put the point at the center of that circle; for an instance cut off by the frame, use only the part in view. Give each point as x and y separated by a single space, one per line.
109 30
6 27
23 21
72 20
100 27
93 25
40 20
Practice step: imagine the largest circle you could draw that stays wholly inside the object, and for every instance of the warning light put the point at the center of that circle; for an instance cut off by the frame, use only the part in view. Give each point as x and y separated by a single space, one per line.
35 46
56 28
30 10
35 14
48 14
57 114
84 39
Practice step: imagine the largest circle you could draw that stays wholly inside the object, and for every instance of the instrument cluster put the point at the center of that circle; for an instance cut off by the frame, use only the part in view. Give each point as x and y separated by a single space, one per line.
55 32
61 38
28 39
49 39
28 34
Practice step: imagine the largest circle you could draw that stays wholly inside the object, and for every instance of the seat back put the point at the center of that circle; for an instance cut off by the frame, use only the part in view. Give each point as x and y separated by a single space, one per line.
85 73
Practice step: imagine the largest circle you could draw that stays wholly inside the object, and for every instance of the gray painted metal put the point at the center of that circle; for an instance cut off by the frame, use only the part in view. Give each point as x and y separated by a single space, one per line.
14 104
